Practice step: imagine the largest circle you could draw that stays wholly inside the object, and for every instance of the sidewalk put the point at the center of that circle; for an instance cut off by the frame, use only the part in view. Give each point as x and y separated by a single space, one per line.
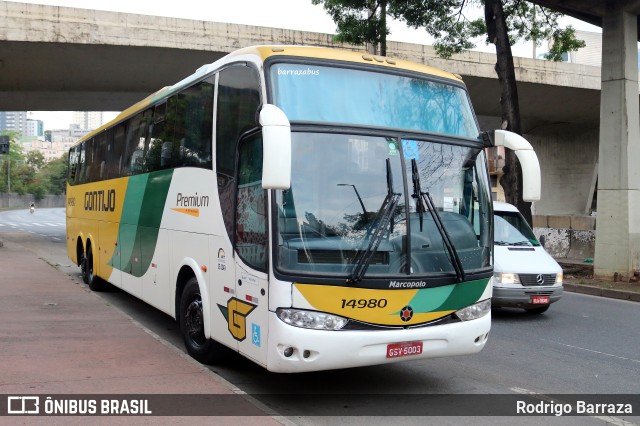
578 278
57 337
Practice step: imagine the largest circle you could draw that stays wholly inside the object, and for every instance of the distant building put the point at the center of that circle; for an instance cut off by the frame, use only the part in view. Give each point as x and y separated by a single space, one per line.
77 132
50 150
34 128
88 120
13 121
591 54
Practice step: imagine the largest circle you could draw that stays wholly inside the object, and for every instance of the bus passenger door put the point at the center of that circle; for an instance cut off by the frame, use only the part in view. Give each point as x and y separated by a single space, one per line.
251 252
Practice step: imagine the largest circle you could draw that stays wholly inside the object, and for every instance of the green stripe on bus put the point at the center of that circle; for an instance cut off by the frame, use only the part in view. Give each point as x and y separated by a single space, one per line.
140 221
448 298
464 294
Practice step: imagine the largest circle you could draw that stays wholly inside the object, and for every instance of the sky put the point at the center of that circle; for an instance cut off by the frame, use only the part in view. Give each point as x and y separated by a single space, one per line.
291 14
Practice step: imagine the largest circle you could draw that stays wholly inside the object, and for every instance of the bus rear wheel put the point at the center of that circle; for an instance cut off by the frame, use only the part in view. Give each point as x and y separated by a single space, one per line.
88 275
191 318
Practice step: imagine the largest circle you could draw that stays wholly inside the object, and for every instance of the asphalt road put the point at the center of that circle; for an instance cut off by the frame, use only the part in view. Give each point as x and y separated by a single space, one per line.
582 345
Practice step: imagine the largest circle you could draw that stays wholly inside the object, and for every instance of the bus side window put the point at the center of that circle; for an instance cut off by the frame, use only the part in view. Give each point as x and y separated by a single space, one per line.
251 214
157 135
136 137
238 102
74 157
137 160
117 151
82 163
194 125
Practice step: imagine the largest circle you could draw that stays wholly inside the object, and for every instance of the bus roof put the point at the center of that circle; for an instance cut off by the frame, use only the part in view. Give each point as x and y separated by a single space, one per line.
270 51
266 52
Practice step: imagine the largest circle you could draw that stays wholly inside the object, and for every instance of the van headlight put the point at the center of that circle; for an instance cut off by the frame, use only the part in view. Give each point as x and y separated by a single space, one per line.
311 319
506 278
559 278
475 311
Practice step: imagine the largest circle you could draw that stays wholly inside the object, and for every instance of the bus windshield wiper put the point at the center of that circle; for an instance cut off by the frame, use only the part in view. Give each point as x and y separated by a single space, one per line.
387 211
421 197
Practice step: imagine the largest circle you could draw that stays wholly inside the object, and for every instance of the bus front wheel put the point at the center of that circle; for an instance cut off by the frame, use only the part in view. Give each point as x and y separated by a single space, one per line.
191 318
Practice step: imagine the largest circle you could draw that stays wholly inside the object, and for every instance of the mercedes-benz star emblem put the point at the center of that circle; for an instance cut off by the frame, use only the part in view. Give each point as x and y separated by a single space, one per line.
540 279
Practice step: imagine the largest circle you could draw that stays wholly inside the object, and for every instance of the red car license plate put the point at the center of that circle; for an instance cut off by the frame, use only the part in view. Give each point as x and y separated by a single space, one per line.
540 300
395 350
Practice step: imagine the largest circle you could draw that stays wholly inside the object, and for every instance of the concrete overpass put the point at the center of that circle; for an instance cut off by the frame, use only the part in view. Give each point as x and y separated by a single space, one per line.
56 58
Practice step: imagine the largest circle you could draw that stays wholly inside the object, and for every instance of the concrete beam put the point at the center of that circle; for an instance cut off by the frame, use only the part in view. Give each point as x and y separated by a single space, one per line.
47 49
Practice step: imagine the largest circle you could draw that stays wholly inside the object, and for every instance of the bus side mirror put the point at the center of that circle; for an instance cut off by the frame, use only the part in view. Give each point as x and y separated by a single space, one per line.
531 180
276 148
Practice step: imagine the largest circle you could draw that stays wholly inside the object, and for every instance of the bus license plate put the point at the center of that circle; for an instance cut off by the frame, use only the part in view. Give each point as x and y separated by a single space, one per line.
395 350
540 300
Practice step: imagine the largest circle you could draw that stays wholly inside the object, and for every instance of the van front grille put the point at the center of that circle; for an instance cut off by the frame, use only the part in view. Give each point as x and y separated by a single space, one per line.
529 280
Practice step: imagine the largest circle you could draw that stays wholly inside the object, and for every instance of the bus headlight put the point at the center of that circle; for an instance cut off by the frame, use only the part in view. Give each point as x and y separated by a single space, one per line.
475 311
311 319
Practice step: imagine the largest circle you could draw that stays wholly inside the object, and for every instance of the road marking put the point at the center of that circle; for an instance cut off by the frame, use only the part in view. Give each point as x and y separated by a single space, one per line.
595 352
609 420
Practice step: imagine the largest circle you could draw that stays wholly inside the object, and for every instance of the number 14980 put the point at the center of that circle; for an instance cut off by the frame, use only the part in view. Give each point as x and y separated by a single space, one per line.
364 303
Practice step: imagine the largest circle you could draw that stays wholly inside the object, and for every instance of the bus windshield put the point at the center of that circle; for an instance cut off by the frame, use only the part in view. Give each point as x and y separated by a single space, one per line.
325 94
339 190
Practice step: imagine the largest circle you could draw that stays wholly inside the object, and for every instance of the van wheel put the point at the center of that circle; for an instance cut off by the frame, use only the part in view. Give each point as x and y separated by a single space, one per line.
191 318
537 311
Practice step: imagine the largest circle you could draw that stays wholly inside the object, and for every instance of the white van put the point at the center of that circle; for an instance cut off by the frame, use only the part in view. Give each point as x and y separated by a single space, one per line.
525 275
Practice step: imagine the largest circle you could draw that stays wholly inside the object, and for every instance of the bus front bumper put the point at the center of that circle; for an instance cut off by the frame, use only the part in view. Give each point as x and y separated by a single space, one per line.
294 349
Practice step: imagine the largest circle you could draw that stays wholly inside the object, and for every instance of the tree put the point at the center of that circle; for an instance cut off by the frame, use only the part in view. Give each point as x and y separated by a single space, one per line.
360 22
35 159
12 163
504 23
54 174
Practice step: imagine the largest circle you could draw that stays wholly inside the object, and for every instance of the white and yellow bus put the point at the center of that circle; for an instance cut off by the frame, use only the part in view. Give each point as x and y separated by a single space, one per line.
308 208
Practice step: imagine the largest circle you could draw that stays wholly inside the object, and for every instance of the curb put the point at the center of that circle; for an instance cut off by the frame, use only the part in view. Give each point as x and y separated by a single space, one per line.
602 292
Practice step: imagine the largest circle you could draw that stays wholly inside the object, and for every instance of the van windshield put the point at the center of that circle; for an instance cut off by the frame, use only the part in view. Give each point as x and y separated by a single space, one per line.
510 229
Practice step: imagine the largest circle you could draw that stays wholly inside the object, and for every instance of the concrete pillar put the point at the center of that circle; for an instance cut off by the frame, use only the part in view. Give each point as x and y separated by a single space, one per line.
618 222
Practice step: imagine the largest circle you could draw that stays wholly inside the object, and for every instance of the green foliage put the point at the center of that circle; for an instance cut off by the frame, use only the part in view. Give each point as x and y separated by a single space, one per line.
563 41
30 174
453 31
35 159
54 174
444 20
358 21
363 21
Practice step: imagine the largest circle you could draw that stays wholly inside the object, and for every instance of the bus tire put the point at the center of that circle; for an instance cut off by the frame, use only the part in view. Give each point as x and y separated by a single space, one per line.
88 274
191 319
83 268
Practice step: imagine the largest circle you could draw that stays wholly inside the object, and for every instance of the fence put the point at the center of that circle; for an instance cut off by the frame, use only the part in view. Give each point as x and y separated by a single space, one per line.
17 201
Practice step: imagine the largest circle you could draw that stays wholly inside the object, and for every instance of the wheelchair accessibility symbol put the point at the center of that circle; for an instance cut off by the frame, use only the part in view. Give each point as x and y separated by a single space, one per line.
255 334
